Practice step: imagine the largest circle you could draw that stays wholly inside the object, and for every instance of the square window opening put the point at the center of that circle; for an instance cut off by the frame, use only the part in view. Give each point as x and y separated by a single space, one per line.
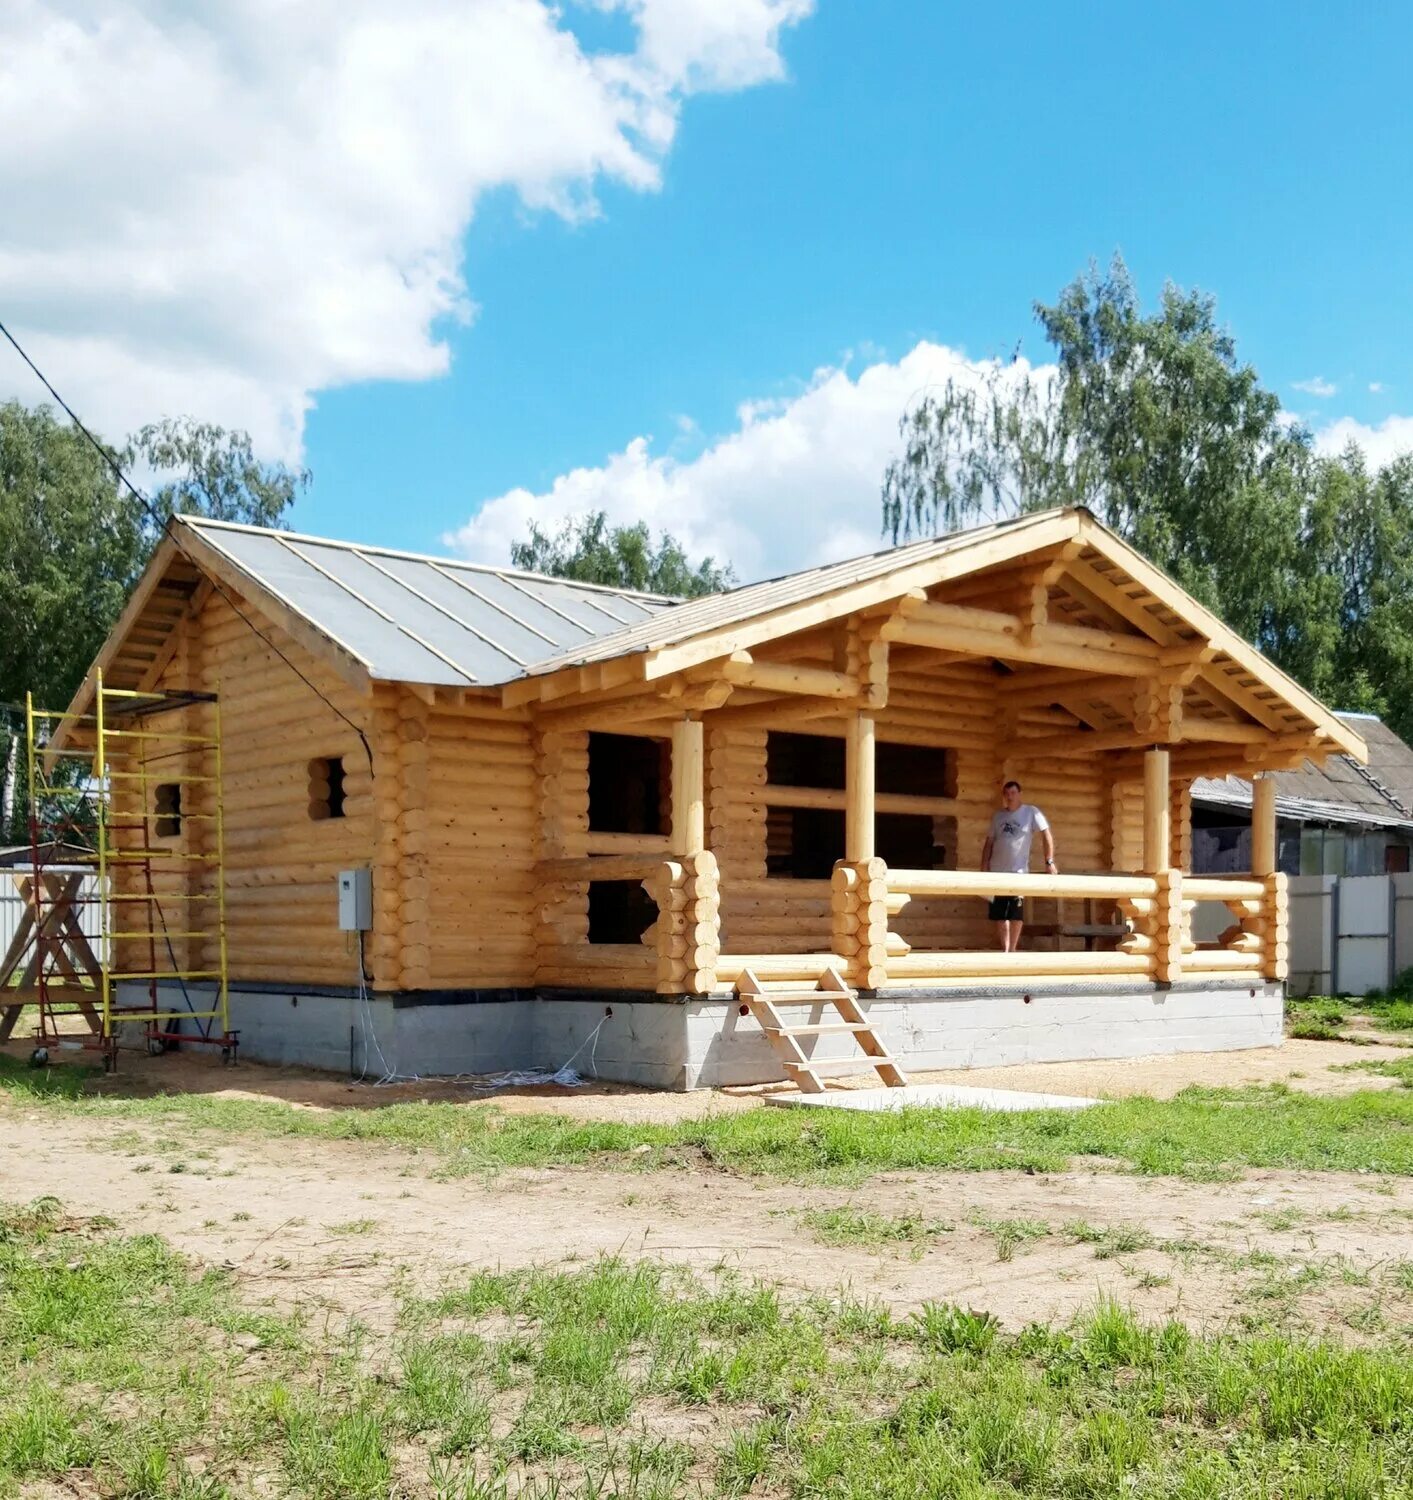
620 911
629 783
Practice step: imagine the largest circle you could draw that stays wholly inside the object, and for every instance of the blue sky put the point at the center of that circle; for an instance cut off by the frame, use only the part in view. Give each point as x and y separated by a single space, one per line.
917 173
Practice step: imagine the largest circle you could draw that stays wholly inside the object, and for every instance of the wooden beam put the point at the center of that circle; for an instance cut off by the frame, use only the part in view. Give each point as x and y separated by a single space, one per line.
784 677
859 785
1157 815
1005 543
1263 825
688 788
1241 698
1224 639
1089 580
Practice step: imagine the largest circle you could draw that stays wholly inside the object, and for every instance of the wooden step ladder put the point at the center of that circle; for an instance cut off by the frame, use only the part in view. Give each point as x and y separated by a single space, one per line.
832 989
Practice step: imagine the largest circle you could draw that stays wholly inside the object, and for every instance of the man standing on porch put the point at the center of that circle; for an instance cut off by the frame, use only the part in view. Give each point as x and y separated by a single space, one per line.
1007 849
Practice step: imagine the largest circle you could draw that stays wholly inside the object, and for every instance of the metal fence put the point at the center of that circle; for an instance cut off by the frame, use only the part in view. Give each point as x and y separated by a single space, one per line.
12 909
1349 934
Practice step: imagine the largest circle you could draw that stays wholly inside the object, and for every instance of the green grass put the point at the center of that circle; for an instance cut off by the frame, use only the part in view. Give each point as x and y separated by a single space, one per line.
873 1231
1202 1133
123 1372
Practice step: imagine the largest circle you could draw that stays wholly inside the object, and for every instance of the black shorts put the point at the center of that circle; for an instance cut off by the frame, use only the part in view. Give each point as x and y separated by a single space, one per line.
1005 909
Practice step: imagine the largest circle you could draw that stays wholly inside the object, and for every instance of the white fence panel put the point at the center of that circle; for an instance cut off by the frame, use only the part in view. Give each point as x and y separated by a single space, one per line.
12 911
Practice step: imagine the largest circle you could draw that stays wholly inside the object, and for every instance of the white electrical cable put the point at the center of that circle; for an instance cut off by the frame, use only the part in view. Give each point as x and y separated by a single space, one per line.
564 1075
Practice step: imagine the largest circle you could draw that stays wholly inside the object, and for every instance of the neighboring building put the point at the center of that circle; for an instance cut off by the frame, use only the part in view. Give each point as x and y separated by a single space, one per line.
1341 818
628 827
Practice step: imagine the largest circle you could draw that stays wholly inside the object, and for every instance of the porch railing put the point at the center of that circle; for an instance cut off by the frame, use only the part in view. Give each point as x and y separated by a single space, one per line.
680 953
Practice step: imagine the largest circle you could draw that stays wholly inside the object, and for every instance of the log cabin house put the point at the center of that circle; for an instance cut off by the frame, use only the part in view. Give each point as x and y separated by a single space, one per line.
723 840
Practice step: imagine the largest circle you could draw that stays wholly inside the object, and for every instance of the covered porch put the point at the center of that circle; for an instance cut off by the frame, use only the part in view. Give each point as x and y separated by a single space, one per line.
831 759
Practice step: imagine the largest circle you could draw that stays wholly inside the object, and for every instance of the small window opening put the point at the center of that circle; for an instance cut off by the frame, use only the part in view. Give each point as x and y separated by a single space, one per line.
326 787
629 782
620 911
168 822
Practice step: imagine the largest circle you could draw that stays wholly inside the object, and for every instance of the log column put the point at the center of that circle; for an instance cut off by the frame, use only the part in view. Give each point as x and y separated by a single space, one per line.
859 785
1275 913
688 890
859 891
1157 862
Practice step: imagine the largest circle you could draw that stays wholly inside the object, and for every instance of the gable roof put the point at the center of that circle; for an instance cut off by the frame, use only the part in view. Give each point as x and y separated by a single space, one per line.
403 617
1379 795
379 614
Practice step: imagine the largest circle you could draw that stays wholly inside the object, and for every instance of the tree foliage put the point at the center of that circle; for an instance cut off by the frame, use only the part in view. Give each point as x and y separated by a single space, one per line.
586 548
73 541
1155 424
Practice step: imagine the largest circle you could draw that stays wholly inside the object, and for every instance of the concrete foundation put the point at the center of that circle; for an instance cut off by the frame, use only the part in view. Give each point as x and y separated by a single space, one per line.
668 1043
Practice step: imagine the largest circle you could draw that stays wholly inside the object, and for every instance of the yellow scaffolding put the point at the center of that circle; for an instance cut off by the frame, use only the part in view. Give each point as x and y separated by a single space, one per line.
120 820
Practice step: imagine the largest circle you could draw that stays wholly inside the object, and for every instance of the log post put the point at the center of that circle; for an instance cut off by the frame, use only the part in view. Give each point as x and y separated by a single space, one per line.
1263 825
687 890
859 784
859 889
1275 912
1168 917
688 788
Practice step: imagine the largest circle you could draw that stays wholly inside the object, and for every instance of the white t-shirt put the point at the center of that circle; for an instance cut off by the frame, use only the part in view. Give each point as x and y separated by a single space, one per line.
1011 835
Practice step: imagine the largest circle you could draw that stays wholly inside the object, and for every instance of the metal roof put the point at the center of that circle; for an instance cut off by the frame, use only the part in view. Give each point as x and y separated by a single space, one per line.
433 620
1340 791
737 605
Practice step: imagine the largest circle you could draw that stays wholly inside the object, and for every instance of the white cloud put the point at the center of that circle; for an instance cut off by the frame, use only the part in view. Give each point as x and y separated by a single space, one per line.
1317 385
1381 443
1376 387
797 483
224 209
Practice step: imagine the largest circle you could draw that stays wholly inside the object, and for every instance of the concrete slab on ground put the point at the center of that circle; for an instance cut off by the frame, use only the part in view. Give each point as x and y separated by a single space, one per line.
932 1096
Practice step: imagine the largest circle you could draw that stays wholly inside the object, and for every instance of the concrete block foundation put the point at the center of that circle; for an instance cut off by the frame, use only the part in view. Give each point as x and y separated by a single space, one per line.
686 1043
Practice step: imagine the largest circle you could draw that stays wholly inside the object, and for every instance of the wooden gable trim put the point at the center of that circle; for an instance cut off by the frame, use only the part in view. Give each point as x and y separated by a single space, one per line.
807 613
1221 636
152 576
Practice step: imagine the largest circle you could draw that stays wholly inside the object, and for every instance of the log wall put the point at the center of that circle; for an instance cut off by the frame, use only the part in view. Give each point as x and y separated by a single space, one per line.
281 864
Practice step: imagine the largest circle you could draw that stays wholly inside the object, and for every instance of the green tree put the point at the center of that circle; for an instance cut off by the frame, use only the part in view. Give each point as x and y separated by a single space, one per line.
1155 424
206 471
73 540
588 549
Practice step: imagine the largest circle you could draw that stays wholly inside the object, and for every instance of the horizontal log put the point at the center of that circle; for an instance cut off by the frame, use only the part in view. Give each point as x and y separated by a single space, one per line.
1222 960
1210 888
987 883
1027 963
811 966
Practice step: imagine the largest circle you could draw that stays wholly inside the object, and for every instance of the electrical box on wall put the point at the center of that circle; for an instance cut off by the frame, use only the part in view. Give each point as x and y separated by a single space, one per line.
355 900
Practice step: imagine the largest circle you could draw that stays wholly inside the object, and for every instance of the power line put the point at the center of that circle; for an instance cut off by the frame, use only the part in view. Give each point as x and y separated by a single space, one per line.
165 527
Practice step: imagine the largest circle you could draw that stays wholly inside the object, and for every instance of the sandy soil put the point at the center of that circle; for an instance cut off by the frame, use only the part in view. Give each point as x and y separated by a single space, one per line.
1310 1066
346 1224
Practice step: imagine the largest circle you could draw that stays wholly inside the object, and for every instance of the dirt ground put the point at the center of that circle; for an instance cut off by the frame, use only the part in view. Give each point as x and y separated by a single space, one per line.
1310 1066
349 1224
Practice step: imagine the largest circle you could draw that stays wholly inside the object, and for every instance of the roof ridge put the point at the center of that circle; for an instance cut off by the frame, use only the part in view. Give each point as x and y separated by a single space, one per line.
201 523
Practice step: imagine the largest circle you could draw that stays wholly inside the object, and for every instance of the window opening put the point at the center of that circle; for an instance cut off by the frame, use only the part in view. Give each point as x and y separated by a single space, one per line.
629 781
168 822
620 911
326 795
